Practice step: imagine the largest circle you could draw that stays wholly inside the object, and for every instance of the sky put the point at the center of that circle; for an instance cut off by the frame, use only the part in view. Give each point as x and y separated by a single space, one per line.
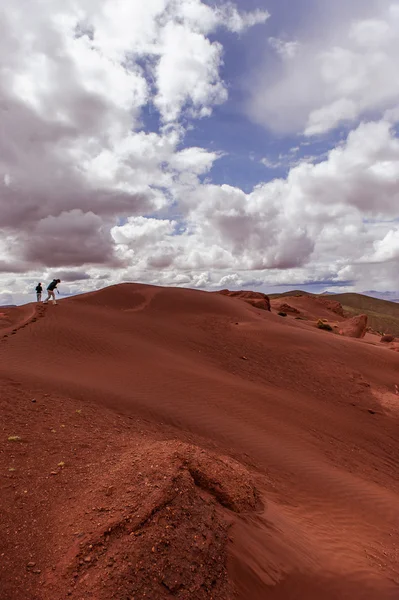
198 143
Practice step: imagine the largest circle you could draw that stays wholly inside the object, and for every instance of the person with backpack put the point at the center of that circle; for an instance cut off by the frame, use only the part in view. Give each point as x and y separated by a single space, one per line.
39 290
51 289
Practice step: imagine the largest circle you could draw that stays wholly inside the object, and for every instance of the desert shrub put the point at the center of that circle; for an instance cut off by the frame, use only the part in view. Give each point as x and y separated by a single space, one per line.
324 326
387 339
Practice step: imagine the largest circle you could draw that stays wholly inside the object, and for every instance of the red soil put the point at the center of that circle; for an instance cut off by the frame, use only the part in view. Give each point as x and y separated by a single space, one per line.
331 305
287 308
256 299
142 457
312 307
356 327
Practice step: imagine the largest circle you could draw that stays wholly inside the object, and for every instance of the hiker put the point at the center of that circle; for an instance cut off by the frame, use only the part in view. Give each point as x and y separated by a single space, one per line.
39 290
51 288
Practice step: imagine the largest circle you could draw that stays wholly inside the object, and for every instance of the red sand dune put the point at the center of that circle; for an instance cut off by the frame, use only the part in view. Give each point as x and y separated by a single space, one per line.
161 443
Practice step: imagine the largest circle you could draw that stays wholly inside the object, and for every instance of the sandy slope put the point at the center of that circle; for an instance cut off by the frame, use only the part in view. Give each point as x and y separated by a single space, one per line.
310 418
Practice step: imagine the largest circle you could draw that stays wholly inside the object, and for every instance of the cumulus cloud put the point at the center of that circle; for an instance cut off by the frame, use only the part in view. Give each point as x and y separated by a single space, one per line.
72 276
194 160
72 238
6 298
293 227
73 155
340 71
90 193
285 49
387 249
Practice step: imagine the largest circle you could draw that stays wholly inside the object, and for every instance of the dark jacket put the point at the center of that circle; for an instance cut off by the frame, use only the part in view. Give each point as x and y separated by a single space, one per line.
39 289
52 285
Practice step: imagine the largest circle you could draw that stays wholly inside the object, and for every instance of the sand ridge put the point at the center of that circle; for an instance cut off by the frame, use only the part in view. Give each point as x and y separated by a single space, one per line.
130 383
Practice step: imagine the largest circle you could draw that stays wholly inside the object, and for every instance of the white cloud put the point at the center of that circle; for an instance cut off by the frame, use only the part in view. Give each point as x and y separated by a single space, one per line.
188 69
340 71
322 223
139 231
286 50
328 117
87 192
6 298
387 249
314 223
74 81
189 76
237 21
271 164
195 160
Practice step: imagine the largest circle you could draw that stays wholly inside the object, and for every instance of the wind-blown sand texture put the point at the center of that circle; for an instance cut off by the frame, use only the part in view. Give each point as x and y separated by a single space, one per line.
169 443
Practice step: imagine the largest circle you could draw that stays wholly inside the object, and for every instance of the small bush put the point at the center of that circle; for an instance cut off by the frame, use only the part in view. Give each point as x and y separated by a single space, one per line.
324 326
282 314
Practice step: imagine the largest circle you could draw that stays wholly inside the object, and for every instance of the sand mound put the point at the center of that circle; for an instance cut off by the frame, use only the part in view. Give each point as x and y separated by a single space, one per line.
286 308
15 318
159 302
256 299
310 307
119 297
355 327
331 305
159 531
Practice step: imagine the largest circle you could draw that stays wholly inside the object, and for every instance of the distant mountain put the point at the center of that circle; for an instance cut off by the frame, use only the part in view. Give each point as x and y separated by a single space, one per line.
390 296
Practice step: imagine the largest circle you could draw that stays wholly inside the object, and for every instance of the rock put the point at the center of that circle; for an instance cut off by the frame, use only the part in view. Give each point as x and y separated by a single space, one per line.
387 339
286 308
256 299
332 305
30 565
323 325
355 327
